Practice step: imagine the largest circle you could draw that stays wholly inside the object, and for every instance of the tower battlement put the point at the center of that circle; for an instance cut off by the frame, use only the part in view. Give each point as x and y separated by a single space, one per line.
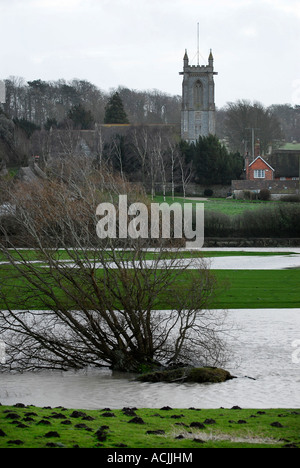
203 68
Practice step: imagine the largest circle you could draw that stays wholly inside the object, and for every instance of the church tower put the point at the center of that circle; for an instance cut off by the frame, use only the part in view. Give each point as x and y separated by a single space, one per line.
198 100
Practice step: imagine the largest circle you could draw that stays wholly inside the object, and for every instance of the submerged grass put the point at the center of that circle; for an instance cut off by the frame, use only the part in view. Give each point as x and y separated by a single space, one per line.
32 427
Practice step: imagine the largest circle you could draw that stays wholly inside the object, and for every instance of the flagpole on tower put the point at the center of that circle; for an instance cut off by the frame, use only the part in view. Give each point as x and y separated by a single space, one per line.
198 45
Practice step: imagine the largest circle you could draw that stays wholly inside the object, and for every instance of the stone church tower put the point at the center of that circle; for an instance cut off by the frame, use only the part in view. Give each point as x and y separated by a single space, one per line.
198 100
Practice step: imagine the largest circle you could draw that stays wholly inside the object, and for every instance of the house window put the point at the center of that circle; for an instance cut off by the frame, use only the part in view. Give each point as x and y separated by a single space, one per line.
259 174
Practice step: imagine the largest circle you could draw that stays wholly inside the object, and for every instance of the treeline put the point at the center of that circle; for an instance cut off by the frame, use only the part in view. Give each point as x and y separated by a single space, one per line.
238 122
151 155
44 119
43 102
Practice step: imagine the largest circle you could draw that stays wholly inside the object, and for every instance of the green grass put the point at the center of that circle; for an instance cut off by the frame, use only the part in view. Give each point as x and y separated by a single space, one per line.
221 205
252 289
256 289
234 207
241 289
27 428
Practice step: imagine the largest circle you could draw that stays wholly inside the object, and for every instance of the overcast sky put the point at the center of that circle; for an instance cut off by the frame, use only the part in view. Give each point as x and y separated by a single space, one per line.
140 44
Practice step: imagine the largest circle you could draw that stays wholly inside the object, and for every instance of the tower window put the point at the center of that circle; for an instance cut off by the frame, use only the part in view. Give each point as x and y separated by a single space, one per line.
198 95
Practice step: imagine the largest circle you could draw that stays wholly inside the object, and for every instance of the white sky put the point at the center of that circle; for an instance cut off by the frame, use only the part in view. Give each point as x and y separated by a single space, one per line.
140 44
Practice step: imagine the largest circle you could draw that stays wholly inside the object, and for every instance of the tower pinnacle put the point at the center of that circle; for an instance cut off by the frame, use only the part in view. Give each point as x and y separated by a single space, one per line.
185 59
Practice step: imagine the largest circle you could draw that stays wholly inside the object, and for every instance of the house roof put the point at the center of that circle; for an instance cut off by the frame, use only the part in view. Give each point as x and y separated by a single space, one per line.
265 162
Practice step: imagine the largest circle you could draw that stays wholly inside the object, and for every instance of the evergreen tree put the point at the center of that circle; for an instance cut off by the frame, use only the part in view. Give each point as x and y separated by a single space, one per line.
27 126
114 111
81 117
212 163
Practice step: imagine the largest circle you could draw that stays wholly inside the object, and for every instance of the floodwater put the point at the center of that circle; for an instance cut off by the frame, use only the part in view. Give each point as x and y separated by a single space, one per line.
266 361
246 262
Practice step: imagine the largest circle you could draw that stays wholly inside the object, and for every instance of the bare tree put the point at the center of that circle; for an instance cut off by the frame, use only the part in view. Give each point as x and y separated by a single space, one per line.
153 167
173 153
160 157
186 172
140 138
85 302
242 117
99 144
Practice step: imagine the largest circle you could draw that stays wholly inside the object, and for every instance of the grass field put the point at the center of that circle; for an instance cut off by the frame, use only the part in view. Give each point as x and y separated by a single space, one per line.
32 427
248 289
255 289
221 205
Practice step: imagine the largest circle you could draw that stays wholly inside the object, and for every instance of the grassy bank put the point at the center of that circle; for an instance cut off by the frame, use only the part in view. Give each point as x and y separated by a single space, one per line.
32 427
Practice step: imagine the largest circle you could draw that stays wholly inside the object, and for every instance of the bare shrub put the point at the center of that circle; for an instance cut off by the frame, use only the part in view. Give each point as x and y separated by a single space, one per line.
82 301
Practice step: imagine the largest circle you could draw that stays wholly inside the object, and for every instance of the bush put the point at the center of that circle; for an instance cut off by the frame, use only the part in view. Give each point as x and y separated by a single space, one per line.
263 222
249 195
208 192
265 195
217 224
279 221
267 221
290 198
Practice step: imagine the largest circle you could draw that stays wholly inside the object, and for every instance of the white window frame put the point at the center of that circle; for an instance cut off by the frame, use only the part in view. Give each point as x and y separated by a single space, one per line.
259 174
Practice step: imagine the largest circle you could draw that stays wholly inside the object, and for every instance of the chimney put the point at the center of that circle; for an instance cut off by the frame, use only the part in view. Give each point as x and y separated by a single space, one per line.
247 165
257 149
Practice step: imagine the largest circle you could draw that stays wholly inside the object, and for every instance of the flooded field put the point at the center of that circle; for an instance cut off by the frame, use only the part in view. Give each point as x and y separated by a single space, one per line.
264 358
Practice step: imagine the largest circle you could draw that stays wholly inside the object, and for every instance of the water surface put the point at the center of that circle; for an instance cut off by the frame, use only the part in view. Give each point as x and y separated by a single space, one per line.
262 349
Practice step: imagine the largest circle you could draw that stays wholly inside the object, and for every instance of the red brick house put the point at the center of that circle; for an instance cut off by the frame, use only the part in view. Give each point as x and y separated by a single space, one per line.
259 169
260 174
